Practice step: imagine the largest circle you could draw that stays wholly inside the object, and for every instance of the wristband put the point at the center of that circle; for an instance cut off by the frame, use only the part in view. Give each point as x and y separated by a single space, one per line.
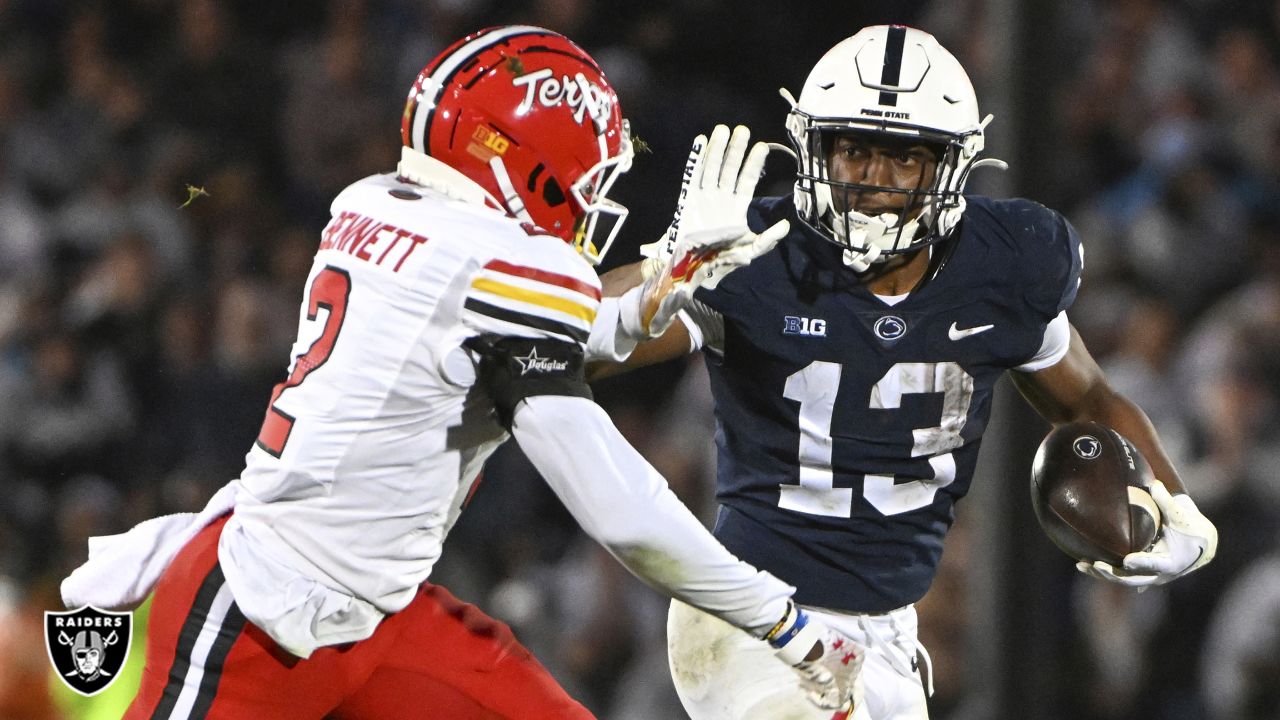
788 627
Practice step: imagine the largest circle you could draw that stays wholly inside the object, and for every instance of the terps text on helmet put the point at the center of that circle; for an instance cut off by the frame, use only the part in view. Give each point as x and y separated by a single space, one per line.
583 98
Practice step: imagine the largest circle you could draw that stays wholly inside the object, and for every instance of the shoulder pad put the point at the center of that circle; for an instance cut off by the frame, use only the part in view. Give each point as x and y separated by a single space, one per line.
1050 255
538 288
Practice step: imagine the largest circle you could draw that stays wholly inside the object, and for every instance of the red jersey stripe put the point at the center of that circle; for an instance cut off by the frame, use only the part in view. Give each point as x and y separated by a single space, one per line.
544 276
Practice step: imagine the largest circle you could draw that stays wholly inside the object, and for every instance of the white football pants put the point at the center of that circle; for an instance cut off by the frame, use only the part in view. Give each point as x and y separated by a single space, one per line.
722 673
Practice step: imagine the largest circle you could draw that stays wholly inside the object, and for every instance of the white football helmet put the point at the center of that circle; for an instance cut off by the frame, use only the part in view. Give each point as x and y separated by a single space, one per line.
898 81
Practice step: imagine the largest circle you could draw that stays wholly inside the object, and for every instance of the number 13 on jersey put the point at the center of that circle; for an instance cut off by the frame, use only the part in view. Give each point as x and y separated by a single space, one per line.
816 388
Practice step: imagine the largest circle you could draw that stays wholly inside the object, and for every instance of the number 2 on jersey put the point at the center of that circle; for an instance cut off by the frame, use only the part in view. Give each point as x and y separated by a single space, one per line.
329 290
815 388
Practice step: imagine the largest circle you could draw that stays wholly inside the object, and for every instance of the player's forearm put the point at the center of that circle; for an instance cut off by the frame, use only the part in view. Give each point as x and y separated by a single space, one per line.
626 506
621 279
1129 420
1097 401
1076 388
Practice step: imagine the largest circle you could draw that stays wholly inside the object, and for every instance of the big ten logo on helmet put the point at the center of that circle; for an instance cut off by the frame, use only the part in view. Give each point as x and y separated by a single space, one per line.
486 143
87 647
812 327
582 97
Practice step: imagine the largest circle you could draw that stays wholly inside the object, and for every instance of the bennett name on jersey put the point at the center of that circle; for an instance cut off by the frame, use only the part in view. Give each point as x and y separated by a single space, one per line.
364 237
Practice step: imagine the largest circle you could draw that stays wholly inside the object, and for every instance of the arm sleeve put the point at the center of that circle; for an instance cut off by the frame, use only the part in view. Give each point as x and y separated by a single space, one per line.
624 504
616 329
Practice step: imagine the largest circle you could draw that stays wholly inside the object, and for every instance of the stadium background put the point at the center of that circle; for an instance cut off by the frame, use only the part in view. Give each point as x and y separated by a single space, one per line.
139 339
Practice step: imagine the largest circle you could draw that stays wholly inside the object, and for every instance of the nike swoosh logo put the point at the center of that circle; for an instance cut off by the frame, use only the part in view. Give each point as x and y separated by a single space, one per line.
956 333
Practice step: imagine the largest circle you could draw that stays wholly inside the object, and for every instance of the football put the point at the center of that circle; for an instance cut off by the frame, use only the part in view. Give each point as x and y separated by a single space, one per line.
1088 487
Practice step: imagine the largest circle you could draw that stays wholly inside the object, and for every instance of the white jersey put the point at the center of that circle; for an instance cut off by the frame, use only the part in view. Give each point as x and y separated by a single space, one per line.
370 447
372 444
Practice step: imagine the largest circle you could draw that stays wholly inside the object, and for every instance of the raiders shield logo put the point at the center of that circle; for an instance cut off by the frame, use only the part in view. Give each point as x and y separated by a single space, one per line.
88 646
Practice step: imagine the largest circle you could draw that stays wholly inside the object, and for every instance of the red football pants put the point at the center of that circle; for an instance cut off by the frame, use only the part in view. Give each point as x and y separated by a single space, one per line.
437 659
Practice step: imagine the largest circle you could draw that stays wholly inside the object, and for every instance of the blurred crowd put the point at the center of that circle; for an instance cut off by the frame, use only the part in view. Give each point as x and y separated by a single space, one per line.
166 166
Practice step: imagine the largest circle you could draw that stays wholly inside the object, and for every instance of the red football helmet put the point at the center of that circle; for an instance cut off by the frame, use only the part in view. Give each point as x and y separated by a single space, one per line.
530 117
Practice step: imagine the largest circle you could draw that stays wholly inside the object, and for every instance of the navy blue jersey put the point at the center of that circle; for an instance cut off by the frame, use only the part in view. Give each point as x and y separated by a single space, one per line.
847 428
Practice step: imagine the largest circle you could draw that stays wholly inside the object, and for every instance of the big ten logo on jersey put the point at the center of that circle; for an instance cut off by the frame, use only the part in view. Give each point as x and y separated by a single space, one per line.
87 647
370 240
811 327
583 98
486 143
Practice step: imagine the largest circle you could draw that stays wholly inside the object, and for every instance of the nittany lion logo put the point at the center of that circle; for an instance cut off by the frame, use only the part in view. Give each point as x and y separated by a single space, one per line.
890 327
87 646
1087 447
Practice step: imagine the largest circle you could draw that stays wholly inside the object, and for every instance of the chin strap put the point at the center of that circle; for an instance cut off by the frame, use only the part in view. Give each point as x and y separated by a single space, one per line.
511 199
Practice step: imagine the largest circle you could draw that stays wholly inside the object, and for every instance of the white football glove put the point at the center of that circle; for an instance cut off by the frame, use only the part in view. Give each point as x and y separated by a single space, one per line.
708 237
1187 542
829 680
658 253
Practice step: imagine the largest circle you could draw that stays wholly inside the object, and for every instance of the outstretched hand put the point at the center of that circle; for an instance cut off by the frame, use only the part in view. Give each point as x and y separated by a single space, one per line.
709 237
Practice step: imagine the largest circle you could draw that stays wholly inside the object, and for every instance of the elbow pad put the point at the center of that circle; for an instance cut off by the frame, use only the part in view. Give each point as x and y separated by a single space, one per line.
511 369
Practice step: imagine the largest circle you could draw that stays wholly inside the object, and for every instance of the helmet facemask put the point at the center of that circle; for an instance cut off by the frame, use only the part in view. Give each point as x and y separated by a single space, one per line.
929 210
590 192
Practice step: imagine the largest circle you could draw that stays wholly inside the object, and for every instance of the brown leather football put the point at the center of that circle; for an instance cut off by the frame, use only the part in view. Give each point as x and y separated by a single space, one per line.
1088 487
